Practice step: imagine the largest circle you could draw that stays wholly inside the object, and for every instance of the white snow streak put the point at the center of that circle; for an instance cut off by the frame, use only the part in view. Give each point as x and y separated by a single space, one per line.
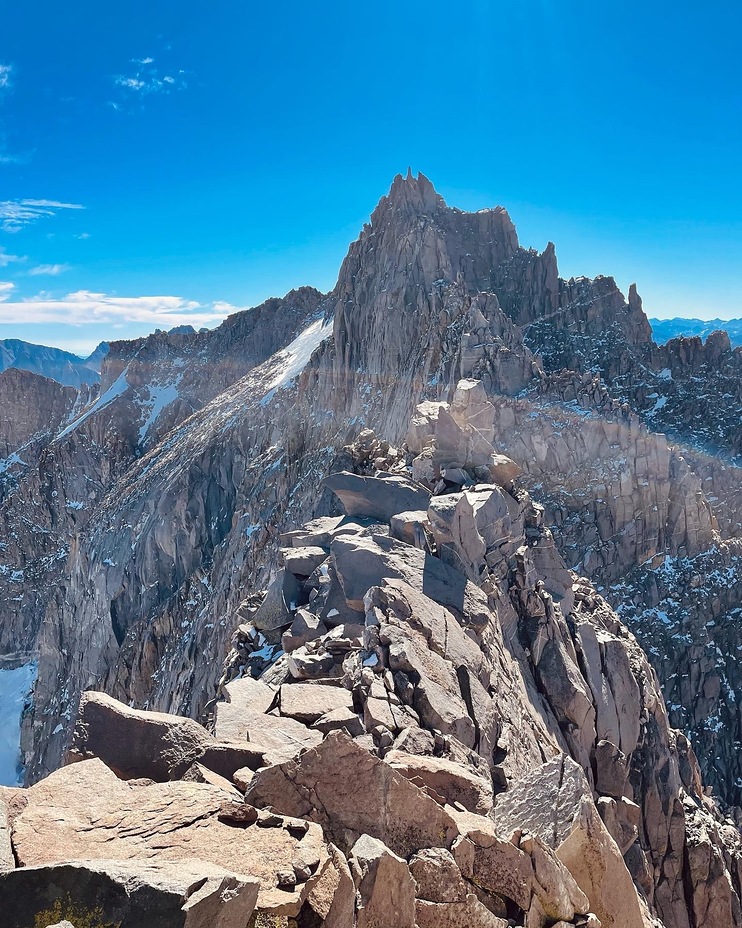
295 356
160 396
119 386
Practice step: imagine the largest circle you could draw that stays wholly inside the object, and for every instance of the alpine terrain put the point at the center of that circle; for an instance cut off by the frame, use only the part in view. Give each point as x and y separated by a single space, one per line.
414 604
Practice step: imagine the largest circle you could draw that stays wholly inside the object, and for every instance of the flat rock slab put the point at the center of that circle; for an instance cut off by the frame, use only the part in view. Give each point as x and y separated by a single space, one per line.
377 497
307 702
243 698
84 812
303 561
134 894
350 793
452 781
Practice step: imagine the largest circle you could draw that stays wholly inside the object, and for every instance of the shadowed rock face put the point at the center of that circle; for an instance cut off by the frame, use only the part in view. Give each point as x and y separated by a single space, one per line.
30 405
139 541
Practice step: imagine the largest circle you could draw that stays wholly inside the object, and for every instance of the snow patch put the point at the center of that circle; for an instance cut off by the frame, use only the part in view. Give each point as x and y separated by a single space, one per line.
15 686
160 396
119 386
7 463
295 356
660 404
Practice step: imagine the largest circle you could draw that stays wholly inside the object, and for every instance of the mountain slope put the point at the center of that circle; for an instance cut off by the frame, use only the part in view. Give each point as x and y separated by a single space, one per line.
67 369
178 527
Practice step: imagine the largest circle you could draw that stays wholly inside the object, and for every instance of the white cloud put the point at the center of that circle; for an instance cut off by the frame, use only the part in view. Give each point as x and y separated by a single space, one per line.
15 214
131 83
6 259
6 72
48 270
6 288
147 79
87 308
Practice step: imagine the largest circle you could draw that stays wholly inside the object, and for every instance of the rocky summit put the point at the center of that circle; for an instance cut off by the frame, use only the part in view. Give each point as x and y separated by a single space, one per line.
415 604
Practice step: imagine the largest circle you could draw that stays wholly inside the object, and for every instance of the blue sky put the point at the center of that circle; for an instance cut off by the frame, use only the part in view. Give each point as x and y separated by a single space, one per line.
165 161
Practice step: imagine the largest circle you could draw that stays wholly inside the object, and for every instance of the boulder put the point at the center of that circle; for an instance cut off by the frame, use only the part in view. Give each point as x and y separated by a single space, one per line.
475 528
303 561
7 861
437 876
409 526
316 534
160 747
450 780
243 699
305 627
611 768
362 562
377 497
276 609
467 914
197 773
558 895
386 890
423 641
622 818
310 701
85 812
246 716
306 664
137 894
554 802
350 792
503 470
344 719
333 897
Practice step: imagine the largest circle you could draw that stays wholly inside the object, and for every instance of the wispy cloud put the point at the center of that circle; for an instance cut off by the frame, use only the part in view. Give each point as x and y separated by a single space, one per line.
6 288
84 307
15 214
48 270
7 158
6 76
145 80
6 259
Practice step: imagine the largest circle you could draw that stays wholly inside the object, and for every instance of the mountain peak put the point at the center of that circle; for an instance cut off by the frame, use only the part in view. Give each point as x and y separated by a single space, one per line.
411 195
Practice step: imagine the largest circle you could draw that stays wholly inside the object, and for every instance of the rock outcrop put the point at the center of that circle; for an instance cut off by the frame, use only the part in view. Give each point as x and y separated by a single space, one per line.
442 602
486 744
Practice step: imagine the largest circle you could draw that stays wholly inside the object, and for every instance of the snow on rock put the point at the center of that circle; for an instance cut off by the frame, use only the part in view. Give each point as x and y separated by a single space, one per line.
15 686
7 463
119 386
295 357
160 396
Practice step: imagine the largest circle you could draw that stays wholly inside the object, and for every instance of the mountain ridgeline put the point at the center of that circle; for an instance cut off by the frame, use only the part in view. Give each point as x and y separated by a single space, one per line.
459 531
62 366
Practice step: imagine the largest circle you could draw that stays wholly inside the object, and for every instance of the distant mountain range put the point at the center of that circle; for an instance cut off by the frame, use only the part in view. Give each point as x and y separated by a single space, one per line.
62 366
665 329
